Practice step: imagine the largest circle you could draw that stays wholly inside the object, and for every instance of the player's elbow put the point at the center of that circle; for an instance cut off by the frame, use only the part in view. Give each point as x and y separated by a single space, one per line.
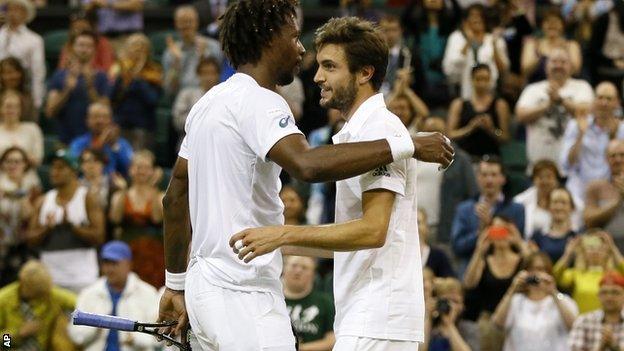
307 171
376 237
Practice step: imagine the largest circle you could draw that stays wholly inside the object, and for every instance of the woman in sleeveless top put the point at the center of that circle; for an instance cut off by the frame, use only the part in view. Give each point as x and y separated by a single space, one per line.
137 212
496 260
536 51
480 124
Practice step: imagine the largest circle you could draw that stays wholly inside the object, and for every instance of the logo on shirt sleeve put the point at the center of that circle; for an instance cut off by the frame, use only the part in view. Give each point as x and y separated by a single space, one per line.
381 172
283 122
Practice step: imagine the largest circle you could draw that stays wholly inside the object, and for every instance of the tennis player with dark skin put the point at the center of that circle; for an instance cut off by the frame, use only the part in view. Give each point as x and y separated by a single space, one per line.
268 49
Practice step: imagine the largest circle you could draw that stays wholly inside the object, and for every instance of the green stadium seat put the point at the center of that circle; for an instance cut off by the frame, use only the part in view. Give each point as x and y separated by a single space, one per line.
43 172
517 181
53 42
51 143
164 182
514 155
159 42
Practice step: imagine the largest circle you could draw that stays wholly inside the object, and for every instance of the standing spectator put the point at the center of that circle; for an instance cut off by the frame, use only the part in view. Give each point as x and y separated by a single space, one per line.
117 18
182 57
71 90
439 193
120 292
496 260
18 188
604 207
480 124
474 215
554 240
534 314
602 329
14 77
104 55
546 178
537 50
13 132
473 44
67 226
399 56
136 92
103 135
404 103
606 46
18 41
586 138
583 264
546 106
137 212
432 257
311 312
33 311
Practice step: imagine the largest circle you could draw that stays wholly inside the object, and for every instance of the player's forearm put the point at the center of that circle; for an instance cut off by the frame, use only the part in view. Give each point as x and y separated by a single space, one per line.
176 223
348 236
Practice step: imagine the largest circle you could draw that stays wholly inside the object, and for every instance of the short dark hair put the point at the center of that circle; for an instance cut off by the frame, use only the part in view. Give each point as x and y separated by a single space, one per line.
21 151
493 160
552 12
99 155
209 61
363 43
478 67
16 65
248 26
87 33
543 165
528 261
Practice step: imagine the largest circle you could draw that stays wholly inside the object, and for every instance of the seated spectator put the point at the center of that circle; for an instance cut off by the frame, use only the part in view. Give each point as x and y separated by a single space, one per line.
399 56
136 92
13 132
537 50
554 240
103 135
546 178
444 328
605 48
311 312
602 329
99 183
67 226
586 138
480 124
534 314
432 257
33 311
440 192
604 207
496 260
18 41
404 103
73 89
294 209
474 215
546 106
181 59
13 77
137 212
583 264
472 44
120 292
116 19
208 71
18 188
104 55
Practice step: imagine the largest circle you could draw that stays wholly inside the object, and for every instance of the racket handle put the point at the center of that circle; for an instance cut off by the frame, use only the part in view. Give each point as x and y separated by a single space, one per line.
102 321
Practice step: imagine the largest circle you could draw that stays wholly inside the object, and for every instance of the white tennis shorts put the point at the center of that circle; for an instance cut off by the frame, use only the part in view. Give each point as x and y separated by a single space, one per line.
356 343
230 320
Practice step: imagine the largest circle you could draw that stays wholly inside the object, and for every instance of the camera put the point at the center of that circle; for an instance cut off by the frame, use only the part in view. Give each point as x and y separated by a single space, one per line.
443 307
532 280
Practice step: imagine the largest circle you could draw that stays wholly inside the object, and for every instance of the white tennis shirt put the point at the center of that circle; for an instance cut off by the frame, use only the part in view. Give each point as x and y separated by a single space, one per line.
379 292
232 184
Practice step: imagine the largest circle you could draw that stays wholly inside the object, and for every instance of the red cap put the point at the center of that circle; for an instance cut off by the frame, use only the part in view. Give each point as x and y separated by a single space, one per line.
612 278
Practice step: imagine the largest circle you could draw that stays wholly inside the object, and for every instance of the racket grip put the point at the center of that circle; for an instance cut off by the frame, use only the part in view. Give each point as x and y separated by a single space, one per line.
102 321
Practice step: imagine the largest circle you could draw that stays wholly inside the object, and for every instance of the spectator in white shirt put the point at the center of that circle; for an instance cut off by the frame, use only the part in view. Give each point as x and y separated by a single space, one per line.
27 46
547 106
13 132
473 44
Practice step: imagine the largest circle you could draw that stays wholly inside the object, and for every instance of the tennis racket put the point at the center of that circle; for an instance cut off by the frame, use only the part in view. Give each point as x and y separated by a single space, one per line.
123 324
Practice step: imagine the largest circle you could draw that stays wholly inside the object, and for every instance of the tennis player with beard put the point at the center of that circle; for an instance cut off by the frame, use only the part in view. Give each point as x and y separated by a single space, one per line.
239 136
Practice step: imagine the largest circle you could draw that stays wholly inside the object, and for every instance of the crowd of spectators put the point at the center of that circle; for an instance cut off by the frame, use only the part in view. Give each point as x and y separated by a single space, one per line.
521 238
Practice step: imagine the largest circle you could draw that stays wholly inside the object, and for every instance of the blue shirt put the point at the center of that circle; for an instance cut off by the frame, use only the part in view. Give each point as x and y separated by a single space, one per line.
465 229
137 108
73 114
591 163
112 341
119 158
553 247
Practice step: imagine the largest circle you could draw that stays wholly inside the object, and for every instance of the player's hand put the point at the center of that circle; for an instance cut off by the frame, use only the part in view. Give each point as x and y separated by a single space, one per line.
172 308
433 147
257 241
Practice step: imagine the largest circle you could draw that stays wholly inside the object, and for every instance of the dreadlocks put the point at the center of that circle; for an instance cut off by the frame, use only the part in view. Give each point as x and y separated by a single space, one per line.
249 25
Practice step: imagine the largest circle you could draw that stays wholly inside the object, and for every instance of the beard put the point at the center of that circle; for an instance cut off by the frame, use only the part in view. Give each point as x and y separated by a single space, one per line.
342 97
285 78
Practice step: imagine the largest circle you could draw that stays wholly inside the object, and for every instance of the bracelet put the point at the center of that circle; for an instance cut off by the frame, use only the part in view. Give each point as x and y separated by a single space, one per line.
175 281
401 146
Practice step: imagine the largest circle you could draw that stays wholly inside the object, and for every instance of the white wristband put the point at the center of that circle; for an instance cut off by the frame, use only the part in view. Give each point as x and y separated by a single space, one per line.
401 146
175 281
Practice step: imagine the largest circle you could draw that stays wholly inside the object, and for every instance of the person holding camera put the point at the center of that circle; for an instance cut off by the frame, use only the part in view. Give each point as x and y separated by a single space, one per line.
445 330
533 313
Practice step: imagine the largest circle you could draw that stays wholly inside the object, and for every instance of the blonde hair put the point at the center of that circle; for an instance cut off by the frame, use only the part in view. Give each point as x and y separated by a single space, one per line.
145 154
443 286
34 277
580 261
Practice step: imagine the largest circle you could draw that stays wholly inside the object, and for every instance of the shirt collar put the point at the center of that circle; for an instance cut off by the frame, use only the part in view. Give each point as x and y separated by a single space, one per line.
361 115
238 76
21 29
